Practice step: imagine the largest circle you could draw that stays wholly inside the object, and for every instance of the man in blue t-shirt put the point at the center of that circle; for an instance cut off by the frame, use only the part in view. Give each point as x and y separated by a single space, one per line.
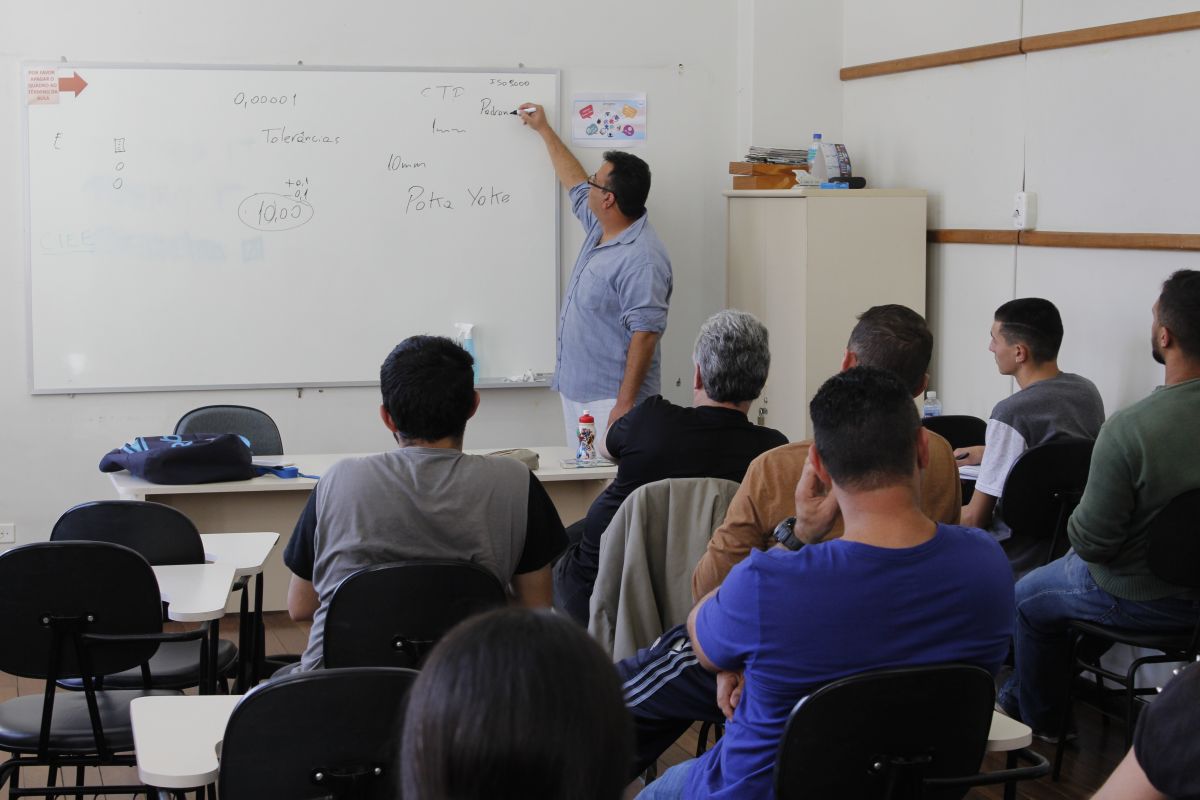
896 589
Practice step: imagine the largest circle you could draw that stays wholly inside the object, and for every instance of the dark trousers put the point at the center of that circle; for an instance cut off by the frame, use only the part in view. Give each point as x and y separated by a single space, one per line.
666 690
575 573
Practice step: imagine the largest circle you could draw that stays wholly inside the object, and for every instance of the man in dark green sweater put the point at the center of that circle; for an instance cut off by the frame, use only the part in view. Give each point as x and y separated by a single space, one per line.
1145 456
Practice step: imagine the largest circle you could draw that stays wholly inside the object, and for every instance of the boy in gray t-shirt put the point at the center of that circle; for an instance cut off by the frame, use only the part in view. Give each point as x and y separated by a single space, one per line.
425 500
1050 404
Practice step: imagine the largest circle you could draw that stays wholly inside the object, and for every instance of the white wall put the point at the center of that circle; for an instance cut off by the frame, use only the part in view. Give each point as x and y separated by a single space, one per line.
1059 123
52 444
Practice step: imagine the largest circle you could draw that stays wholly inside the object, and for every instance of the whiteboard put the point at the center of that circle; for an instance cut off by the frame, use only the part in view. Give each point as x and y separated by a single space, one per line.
203 226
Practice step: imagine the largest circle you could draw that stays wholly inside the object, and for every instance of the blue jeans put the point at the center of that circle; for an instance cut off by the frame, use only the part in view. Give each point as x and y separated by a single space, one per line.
1046 599
671 784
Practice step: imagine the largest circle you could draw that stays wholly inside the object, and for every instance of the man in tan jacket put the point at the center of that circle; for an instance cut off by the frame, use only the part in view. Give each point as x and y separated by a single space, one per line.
665 688
891 337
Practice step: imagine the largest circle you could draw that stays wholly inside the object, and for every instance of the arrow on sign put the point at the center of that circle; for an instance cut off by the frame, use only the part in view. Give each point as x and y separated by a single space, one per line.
74 84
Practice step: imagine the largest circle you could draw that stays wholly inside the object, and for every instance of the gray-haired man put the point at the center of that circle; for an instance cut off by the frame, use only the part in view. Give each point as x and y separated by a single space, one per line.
659 440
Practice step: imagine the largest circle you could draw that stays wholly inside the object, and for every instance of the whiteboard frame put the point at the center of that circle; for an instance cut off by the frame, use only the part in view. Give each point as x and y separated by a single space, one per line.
489 382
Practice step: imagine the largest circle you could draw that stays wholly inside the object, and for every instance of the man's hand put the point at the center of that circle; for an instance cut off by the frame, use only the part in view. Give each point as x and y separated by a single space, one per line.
968 456
816 508
533 115
729 691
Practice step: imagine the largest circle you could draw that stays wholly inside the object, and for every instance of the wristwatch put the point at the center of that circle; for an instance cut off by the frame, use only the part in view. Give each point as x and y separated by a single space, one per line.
785 534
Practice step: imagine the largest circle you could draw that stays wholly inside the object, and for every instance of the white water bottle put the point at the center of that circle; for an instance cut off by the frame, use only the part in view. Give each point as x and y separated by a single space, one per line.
816 159
586 436
932 406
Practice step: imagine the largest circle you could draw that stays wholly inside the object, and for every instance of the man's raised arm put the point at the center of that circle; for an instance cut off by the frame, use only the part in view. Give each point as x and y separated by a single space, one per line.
568 169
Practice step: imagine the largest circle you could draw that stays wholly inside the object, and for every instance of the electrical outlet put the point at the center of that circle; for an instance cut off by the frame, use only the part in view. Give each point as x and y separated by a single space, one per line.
8 533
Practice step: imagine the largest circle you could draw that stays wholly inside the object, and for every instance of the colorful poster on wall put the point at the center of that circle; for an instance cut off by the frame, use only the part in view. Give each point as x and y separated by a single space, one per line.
610 119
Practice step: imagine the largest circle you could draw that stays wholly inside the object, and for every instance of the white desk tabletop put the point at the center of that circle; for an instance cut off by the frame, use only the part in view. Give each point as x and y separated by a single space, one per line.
1008 734
549 470
176 738
245 552
194 592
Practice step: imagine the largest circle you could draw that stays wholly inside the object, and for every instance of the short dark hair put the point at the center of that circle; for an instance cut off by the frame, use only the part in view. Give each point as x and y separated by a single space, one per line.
1179 310
895 338
733 356
1033 322
428 387
865 428
516 703
630 182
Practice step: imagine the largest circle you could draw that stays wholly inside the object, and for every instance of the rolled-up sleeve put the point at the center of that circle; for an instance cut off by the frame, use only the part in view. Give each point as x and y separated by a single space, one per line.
579 206
645 292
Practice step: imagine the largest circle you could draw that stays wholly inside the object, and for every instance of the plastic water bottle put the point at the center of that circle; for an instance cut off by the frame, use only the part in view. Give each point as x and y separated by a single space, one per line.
466 338
816 159
586 436
932 406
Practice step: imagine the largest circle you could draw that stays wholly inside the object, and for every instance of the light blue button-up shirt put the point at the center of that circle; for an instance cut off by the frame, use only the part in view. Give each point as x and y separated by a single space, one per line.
616 288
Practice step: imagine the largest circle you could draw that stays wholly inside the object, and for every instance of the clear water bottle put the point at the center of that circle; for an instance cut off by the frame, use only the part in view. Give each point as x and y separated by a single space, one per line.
932 406
816 159
586 436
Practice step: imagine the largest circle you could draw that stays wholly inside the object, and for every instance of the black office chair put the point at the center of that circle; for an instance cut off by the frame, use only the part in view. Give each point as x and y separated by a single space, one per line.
1041 490
161 535
74 610
257 426
960 430
1173 555
391 615
909 732
331 733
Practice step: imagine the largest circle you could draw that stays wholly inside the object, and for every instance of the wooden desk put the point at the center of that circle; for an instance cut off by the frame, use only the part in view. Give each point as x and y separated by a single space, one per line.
273 504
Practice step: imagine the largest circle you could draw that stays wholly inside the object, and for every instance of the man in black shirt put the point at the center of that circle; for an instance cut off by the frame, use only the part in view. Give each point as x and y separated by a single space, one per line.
658 440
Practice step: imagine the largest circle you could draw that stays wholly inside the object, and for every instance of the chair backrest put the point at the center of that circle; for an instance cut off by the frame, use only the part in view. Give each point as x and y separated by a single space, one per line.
1043 487
391 615
52 591
257 426
331 733
160 534
1173 550
647 556
878 734
960 430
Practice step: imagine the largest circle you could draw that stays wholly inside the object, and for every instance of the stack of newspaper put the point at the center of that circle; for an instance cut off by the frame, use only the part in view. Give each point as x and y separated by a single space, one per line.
777 155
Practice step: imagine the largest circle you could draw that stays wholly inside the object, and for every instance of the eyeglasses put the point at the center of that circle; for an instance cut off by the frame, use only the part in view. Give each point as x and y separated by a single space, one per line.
591 181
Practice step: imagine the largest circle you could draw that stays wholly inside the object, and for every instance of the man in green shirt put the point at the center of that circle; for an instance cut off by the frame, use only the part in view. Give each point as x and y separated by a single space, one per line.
1144 457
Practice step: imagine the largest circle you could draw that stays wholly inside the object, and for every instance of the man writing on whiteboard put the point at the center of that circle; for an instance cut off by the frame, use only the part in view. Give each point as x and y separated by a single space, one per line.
615 309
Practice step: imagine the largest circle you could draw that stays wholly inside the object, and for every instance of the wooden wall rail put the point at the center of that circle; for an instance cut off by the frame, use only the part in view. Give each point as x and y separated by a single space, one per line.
1108 241
1029 44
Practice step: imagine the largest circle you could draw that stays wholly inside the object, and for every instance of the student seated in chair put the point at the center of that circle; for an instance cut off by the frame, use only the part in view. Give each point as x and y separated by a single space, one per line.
895 589
891 337
1145 456
659 440
516 704
1166 747
425 499
1050 404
